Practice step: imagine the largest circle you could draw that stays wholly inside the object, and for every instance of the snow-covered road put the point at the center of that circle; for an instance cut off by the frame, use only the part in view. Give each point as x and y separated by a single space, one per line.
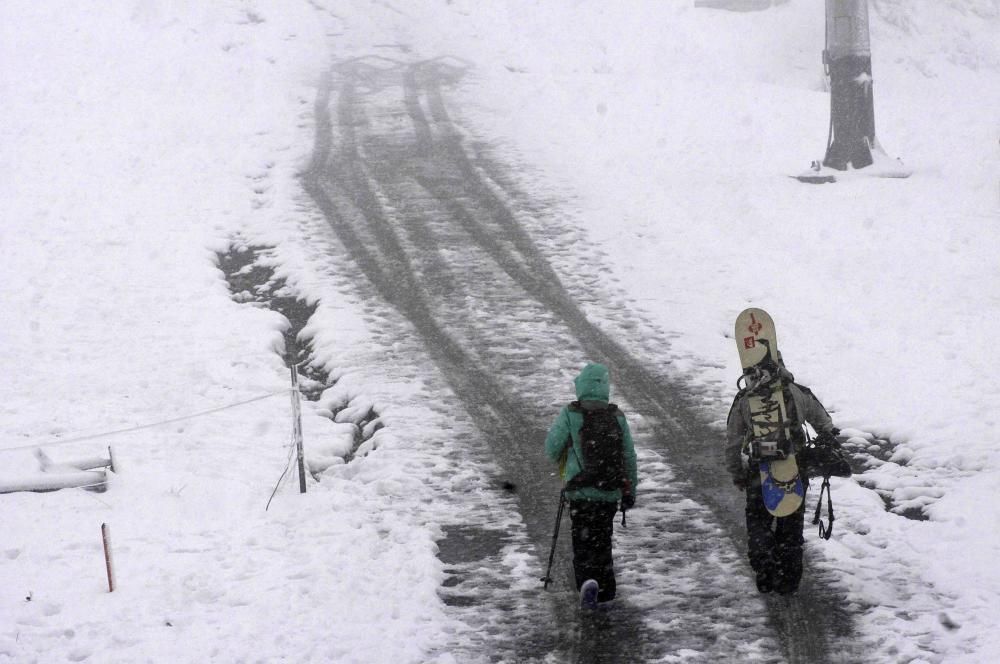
439 232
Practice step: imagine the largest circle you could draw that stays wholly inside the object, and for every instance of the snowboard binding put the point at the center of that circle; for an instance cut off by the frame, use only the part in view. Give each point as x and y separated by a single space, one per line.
767 450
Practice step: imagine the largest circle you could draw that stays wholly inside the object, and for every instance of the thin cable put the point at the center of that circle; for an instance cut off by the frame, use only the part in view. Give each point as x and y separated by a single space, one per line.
288 464
140 427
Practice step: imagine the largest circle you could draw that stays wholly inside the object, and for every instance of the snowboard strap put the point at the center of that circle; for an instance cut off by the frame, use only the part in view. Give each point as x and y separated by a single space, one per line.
825 531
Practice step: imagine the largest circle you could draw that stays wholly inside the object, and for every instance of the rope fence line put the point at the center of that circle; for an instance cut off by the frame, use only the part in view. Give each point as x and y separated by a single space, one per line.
150 425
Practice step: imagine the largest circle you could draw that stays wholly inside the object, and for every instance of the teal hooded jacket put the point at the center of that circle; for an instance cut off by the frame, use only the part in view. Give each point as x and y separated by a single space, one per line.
562 444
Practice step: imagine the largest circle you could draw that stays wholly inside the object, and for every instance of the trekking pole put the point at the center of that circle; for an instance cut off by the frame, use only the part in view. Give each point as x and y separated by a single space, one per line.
555 536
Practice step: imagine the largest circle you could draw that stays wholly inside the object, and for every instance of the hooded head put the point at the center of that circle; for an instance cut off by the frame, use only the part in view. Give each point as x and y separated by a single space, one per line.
593 383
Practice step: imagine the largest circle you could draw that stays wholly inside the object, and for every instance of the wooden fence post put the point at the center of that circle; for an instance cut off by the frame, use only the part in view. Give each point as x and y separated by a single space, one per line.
106 536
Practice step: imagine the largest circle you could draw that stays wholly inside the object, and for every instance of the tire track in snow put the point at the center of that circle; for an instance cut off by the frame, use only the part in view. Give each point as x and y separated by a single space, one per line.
435 237
802 624
343 192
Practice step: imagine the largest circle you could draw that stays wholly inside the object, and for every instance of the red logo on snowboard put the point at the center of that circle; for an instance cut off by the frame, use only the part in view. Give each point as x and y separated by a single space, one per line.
749 342
754 327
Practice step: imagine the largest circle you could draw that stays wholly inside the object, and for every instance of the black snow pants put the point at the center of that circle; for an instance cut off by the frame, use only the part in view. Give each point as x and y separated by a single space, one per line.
774 544
593 525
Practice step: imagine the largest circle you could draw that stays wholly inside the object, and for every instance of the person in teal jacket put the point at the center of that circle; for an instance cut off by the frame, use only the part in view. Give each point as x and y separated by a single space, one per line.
592 509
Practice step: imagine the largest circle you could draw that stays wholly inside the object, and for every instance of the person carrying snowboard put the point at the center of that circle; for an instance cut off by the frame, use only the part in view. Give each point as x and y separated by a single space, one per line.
774 543
591 442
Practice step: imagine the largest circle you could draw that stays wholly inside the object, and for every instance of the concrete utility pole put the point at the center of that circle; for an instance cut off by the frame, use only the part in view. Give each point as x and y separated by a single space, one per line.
848 59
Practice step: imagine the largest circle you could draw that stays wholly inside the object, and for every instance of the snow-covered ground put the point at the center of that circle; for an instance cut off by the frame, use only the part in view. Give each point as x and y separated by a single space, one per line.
138 138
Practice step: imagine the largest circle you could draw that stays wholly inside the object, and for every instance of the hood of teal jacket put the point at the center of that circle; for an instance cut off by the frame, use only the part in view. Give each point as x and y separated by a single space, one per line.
593 383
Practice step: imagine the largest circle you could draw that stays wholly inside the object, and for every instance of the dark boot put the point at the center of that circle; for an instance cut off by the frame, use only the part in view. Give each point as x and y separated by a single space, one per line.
788 572
788 542
765 577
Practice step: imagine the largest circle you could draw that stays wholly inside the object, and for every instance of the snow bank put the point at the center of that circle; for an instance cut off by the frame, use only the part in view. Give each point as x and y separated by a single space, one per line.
138 138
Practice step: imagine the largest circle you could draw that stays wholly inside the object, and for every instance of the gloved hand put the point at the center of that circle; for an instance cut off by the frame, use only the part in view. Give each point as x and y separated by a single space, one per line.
828 438
628 501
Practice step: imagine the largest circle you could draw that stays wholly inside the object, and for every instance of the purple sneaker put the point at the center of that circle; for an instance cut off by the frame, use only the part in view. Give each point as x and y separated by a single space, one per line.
588 594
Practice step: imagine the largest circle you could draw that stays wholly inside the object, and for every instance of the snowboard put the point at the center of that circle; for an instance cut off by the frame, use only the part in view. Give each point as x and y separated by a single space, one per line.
757 343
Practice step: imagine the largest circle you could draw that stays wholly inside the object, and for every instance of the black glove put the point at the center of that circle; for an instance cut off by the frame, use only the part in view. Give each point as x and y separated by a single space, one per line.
828 438
740 482
628 501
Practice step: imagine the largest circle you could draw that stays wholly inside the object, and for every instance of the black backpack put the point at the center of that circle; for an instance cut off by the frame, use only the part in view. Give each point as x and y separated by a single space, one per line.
603 445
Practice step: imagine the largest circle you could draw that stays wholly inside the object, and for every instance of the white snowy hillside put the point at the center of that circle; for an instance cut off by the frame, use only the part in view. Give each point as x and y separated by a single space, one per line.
146 146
